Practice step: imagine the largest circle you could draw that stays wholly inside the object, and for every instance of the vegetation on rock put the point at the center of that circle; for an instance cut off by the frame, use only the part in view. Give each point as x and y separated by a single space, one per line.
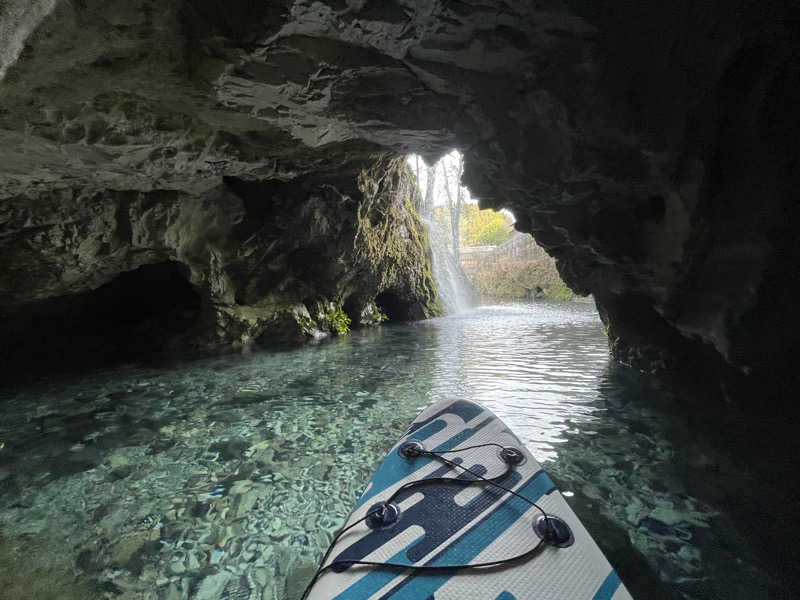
373 315
338 322
399 256
253 258
528 280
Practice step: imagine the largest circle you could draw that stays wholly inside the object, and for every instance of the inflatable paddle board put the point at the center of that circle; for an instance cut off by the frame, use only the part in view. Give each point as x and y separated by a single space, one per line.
461 510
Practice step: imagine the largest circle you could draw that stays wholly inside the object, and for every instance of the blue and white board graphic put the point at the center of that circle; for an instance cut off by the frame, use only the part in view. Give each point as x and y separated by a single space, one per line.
453 519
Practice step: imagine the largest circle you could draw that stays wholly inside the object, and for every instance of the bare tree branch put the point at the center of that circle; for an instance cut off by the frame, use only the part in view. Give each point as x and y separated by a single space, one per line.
430 182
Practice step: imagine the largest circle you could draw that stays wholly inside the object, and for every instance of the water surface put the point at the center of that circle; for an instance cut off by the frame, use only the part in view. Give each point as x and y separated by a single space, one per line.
227 478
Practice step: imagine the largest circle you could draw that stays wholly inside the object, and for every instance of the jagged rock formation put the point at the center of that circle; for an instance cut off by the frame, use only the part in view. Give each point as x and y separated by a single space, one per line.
121 274
651 147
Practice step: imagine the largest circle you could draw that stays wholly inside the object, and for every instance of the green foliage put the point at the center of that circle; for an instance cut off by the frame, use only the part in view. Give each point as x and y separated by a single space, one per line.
512 280
483 227
559 292
372 315
338 321
476 227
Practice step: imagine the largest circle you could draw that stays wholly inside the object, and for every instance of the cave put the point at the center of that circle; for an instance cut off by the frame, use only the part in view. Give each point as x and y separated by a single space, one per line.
133 317
394 306
651 148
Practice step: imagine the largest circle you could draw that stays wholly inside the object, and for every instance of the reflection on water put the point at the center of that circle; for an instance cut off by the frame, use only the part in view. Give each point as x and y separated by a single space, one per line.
227 478
537 367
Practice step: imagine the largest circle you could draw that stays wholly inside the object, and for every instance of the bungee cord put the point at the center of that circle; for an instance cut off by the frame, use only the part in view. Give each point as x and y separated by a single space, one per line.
436 455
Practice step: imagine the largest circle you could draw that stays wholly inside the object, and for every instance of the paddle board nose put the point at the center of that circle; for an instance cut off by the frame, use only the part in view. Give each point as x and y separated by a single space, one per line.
460 509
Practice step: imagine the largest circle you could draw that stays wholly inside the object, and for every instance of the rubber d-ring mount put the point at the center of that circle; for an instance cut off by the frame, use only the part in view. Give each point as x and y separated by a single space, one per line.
513 457
411 449
382 515
554 531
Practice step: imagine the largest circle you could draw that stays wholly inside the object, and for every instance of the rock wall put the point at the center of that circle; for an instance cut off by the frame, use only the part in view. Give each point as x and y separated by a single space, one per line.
122 274
651 147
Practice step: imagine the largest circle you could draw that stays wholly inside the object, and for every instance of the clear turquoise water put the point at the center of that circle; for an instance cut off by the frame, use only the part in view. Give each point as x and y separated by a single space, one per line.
226 478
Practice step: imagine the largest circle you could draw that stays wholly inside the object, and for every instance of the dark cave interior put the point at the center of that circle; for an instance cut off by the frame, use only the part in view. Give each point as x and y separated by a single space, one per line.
135 316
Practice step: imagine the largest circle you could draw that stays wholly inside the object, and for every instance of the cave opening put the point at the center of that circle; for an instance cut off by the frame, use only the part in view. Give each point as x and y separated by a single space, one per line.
138 315
479 256
394 306
352 308
652 148
145 307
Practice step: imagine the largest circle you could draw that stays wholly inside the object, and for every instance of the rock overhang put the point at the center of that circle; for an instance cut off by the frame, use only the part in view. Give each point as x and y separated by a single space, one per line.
651 149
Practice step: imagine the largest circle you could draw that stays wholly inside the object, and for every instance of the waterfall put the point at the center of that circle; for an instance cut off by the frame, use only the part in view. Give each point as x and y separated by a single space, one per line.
455 290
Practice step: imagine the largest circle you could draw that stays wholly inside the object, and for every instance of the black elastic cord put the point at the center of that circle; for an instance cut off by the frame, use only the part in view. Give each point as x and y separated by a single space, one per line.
480 477
465 448
436 455
484 565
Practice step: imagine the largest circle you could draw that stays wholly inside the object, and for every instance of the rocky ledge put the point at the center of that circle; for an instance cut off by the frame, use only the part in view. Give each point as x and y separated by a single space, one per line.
651 148
97 275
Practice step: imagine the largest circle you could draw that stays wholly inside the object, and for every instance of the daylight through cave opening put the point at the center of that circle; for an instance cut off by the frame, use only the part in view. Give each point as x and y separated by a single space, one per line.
477 251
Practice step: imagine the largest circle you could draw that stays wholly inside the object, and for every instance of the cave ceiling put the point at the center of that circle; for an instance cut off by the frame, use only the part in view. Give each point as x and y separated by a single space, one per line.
650 147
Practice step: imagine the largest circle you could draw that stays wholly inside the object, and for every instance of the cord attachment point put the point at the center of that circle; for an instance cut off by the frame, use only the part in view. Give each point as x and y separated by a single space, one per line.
340 566
382 515
513 457
554 531
411 449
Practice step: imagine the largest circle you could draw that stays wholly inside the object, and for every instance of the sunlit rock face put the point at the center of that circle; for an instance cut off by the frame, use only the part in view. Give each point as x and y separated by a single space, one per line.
650 147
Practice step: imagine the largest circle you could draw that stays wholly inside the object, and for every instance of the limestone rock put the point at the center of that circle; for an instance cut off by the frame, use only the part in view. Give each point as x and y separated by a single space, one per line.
651 149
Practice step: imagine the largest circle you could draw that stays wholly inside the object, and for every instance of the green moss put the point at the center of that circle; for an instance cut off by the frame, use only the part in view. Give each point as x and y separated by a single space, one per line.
390 240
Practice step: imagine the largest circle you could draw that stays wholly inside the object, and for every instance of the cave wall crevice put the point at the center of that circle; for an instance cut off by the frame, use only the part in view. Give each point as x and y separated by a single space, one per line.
148 311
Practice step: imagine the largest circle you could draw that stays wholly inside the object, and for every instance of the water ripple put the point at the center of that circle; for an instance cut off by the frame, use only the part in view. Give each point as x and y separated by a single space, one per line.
234 473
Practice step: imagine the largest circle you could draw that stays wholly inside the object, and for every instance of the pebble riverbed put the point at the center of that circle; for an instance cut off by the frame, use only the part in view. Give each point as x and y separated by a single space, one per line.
227 478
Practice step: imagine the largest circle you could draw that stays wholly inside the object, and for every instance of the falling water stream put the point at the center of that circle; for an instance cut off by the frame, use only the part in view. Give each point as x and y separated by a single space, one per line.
226 478
455 290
